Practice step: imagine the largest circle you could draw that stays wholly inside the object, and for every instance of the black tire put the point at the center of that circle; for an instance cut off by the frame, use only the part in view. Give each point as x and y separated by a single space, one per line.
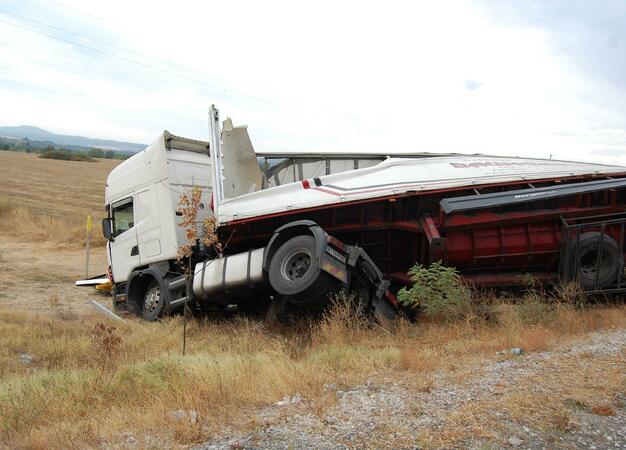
153 301
584 268
126 306
294 272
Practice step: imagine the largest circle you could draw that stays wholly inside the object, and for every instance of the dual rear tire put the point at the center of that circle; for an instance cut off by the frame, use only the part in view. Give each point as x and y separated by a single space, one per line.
581 261
294 272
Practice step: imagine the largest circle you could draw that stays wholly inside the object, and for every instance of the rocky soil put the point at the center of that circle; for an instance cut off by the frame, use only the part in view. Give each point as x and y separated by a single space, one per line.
569 397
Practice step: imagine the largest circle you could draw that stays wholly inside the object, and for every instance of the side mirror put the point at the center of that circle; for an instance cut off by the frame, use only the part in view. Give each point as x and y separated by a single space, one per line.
107 228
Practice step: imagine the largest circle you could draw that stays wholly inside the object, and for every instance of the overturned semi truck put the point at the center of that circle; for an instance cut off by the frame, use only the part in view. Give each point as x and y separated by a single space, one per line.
310 224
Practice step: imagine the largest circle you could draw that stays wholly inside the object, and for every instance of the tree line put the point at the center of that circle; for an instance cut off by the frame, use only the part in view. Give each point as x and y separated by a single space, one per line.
58 152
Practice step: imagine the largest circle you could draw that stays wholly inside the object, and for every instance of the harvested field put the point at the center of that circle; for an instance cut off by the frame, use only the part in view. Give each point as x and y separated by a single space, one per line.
43 208
64 190
33 274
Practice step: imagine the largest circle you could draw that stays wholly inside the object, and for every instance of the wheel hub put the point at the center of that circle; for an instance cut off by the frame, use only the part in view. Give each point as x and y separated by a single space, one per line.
588 263
296 264
152 299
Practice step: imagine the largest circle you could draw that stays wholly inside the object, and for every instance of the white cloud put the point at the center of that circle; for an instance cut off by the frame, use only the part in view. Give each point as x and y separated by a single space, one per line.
349 75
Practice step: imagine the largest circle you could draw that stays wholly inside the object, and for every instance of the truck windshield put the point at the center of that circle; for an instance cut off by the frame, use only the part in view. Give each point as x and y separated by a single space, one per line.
123 219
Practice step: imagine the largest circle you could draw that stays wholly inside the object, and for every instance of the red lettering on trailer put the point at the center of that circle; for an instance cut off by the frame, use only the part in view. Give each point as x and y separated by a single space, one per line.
502 164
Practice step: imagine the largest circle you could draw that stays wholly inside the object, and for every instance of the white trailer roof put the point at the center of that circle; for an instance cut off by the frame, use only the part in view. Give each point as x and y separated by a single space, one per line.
399 175
344 154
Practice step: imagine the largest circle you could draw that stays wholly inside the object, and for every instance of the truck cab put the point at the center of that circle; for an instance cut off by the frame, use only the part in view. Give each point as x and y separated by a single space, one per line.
143 220
141 200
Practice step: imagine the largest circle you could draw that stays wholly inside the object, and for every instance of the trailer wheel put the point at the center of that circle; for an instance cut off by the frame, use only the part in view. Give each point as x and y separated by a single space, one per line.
294 272
584 268
153 301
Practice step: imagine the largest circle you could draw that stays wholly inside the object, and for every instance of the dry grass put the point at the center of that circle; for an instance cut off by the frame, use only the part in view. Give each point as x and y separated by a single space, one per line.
28 225
48 200
61 189
89 384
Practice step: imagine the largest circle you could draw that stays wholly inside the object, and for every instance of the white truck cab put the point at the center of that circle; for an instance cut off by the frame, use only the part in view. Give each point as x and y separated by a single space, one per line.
141 198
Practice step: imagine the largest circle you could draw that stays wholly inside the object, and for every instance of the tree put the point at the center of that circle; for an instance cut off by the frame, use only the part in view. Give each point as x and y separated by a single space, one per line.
96 153
109 154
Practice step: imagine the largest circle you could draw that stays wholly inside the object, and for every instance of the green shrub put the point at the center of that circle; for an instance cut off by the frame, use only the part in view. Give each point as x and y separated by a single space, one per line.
437 290
66 155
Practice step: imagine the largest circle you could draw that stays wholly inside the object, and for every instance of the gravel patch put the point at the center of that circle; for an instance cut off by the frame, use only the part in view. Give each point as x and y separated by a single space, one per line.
393 413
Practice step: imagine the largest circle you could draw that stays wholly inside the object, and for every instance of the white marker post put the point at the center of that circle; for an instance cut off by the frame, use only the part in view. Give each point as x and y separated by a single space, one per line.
88 244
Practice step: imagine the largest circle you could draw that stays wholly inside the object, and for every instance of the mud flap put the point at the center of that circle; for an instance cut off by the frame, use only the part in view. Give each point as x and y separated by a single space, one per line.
384 313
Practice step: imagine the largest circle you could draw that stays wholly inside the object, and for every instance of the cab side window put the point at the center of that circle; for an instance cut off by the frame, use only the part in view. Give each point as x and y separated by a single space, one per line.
123 219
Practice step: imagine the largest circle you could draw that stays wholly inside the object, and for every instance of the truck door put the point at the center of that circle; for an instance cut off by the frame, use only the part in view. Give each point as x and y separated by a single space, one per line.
147 227
124 247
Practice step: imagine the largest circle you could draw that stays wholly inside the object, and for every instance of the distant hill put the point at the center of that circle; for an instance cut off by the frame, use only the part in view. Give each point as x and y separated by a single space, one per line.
74 142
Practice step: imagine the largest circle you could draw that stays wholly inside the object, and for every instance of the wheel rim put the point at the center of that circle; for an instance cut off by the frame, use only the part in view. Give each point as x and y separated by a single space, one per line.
296 264
588 261
152 300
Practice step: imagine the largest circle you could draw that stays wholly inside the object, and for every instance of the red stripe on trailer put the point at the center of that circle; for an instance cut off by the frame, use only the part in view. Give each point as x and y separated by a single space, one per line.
326 191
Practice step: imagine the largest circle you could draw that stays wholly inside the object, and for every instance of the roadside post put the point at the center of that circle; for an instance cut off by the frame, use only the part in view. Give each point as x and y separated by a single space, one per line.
88 244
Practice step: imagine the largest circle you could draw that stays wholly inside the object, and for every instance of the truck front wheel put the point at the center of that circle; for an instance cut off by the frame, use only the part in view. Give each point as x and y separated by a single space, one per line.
294 272
153 301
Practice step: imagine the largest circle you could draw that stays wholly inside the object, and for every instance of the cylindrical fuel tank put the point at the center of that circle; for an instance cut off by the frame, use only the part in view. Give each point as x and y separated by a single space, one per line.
222 278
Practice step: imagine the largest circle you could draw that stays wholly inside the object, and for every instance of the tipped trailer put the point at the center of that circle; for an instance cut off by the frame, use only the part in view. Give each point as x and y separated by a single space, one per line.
312 224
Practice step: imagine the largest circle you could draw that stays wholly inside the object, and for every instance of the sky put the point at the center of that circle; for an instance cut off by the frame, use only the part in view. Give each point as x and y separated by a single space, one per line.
515 78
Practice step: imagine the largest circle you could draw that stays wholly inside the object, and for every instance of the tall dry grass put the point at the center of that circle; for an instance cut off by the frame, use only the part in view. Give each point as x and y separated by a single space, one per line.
23 223
88 383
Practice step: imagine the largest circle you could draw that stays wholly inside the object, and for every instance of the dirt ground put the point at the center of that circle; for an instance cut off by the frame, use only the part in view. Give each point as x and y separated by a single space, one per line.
33 275
34 272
